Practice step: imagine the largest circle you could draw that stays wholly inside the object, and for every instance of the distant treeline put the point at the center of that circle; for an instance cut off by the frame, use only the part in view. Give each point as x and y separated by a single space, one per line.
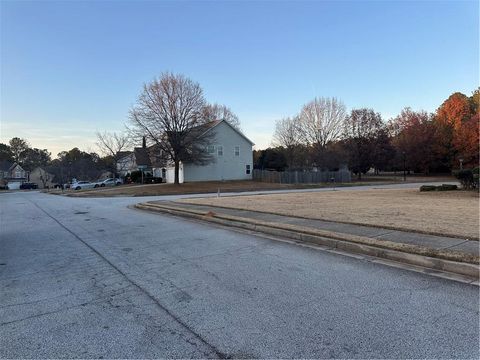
68 164
324 136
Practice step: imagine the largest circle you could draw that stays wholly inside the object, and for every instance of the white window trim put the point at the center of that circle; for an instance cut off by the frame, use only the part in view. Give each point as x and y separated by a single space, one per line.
213 147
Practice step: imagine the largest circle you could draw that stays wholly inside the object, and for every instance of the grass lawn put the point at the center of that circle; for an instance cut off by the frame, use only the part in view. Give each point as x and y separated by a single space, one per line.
453 213
202 187
227 186
186 188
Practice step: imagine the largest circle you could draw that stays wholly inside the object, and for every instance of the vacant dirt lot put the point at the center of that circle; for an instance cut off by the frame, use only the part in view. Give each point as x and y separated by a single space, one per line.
453 213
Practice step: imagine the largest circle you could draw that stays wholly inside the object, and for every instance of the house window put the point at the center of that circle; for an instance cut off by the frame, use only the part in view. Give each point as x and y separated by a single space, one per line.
220 150
247 169
18 174
211 149
237 150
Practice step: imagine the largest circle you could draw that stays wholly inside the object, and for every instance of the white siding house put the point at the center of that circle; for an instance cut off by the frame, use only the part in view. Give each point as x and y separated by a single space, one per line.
231 150
233 157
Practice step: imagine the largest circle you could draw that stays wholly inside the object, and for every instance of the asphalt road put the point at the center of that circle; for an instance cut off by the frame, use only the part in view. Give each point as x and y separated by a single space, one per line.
90 278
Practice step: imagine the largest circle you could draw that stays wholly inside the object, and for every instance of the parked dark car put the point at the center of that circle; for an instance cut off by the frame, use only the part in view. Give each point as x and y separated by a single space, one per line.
28 186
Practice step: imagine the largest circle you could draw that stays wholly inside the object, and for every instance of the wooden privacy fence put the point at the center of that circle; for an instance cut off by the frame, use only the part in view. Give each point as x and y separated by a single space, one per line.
301 177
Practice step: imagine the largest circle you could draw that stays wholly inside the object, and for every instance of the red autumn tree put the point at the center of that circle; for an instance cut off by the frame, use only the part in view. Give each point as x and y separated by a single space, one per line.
418 140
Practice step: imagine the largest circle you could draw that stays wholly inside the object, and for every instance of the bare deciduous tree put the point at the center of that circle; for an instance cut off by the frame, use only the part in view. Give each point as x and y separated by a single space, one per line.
112 145
288 137
321 121
169 112
362 130
221 112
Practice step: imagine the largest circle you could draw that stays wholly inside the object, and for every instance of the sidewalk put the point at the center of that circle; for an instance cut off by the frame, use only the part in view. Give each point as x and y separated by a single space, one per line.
405 237
434 254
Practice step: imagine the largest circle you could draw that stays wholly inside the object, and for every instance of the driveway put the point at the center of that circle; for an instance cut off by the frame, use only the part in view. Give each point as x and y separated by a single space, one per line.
91 278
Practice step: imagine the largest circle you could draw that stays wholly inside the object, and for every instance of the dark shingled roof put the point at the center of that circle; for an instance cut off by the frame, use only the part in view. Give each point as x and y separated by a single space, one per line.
5 165
141 157
122 154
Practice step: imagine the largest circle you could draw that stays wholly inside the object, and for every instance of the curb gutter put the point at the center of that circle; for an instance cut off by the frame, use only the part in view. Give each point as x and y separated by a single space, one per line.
449 261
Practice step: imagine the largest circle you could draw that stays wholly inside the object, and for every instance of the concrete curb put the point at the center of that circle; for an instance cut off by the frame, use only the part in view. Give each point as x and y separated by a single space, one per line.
188 202
404 253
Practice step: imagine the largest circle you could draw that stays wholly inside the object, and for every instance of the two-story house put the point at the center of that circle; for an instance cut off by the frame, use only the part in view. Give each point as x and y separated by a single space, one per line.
12 174
129 161
231 150
232 155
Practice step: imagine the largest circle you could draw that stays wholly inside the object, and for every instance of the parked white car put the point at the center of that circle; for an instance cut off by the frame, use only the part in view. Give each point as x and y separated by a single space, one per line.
110 182
83 185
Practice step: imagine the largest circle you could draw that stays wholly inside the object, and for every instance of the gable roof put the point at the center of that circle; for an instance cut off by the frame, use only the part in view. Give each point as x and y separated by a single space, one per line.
122 154
9 166
212 124
145 156
14 165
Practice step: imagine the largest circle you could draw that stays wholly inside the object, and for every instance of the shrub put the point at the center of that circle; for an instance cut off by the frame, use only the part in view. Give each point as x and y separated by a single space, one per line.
152 180
476 179
428 188
136 177
447 187
443 187
466 178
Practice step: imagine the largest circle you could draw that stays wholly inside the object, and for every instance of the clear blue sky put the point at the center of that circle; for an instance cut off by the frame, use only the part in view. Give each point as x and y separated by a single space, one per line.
71 68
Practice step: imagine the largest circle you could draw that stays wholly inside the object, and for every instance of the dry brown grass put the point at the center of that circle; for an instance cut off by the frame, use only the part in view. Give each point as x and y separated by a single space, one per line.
201 187
454 213
186 188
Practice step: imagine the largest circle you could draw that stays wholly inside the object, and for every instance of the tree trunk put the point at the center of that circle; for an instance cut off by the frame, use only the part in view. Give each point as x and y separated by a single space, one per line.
177 172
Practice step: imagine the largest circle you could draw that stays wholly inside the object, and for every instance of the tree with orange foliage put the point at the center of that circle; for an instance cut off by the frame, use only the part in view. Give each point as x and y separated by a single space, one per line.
466 141
458 121
418 139
455 110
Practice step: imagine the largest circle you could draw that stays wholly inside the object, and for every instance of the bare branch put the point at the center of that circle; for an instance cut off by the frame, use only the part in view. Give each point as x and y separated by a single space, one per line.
112 145
213 112
321 121
287 133
170 113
